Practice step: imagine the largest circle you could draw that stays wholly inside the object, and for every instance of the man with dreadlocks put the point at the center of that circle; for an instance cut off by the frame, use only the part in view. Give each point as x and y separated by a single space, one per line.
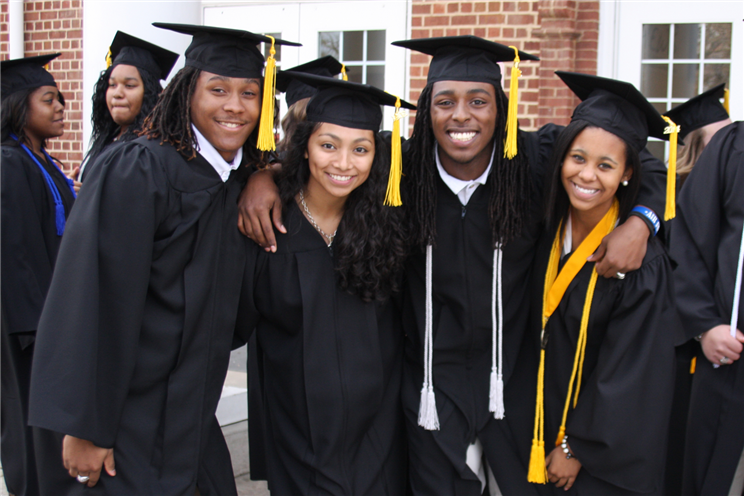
474 214
134 340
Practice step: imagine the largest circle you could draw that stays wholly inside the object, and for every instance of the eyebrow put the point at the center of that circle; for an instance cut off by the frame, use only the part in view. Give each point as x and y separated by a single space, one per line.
53 93
225 78
609 159
469 92
333 136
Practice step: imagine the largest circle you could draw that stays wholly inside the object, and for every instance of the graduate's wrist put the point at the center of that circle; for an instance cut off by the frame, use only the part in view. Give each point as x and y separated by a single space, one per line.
648 217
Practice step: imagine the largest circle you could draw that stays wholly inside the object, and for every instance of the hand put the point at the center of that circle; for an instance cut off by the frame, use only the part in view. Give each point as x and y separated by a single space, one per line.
562 472
623 249
81 457
74 176
718 343
258 206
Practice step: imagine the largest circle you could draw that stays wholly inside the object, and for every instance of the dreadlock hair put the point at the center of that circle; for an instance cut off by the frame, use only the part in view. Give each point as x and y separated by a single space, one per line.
15 114
556 207
370 247
509 181
104 127
170 120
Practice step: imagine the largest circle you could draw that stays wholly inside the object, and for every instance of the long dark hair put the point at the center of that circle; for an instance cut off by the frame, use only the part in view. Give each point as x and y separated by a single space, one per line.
104 127
557 202
15 115
170 120
370 247
509 180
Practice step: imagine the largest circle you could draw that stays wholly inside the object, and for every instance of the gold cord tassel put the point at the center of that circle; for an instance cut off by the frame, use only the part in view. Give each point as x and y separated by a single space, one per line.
693 363
266 127
392 196
726 100
108 59
510 142
537 473
671 204
343 72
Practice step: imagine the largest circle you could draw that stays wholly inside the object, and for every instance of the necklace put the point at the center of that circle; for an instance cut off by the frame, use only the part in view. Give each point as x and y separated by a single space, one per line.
315 224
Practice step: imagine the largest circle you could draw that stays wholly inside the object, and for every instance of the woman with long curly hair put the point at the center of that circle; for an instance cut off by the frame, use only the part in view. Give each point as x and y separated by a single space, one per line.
328 333
36 200
126 92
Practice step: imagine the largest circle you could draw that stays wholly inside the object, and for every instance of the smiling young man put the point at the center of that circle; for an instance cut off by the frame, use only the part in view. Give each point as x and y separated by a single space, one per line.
135 337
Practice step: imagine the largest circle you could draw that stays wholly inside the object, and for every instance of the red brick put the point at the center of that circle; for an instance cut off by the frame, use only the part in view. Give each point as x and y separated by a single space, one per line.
491 19
510 6
450 32
480 32
419 33
421 8
513 19
416 21
466 7
453 7
494 6
439 8
436 20
494 33
461 20
479 7
465 31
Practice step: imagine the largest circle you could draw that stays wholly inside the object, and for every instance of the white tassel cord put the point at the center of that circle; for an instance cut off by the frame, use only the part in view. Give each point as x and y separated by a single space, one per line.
737 289
428 416
496 393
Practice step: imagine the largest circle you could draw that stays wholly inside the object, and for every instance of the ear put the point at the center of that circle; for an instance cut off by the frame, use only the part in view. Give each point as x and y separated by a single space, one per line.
627 175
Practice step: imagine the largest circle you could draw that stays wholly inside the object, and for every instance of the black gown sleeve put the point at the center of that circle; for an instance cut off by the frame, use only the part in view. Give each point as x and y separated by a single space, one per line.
105 262
653 186
618 428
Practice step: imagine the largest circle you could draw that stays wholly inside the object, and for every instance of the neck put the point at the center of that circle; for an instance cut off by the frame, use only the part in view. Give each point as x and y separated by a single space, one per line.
466 171
583 222
122 130
35 144
325 209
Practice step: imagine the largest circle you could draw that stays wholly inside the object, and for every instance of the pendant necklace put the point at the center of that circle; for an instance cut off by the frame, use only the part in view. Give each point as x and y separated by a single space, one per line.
315 224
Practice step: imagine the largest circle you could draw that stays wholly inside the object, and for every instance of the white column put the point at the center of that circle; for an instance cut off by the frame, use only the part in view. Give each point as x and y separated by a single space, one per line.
15 29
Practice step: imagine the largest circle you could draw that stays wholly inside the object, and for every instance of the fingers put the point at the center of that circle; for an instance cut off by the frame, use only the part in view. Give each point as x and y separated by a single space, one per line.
276 214
75 173
94 476
109 464
600 253
569 483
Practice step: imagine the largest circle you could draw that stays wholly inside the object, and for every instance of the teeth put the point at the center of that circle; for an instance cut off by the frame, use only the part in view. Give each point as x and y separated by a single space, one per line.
585 190
462 136
232 125
340 178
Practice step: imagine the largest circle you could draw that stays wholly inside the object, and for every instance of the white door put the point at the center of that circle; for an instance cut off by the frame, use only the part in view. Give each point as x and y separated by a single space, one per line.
358 33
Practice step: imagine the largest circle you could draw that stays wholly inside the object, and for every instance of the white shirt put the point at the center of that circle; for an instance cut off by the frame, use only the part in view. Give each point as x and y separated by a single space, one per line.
211 155
463 189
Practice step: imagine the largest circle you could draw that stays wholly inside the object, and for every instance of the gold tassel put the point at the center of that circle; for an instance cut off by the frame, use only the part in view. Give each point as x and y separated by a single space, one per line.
343 72
726 100
671 204
510 142
109 61
266 127
392 196
693 364
537 473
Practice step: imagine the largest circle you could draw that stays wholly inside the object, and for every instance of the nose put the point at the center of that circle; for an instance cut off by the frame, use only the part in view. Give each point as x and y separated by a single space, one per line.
461 112
234 104
588 173
343 160
118 91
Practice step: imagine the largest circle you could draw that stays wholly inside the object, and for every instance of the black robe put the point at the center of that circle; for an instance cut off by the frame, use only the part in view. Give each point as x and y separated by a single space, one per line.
330 369
462 279
29 252
705 243
618 428
134 340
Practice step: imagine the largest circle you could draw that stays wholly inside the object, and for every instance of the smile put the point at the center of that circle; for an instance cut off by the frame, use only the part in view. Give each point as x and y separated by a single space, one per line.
230 125
340 179
584 191
462 137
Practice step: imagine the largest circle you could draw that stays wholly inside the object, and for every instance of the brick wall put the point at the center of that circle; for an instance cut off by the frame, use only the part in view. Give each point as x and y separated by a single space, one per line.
57 26
562 33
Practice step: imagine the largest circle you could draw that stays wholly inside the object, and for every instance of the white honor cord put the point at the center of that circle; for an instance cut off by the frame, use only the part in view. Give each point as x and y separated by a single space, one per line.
737 288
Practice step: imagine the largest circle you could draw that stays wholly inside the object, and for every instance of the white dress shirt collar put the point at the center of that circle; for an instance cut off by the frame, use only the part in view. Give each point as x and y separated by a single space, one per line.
211 155
463 189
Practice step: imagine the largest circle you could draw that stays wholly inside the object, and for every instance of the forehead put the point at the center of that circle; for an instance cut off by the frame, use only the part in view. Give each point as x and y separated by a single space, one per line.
43 90
125 71
462 87
597 140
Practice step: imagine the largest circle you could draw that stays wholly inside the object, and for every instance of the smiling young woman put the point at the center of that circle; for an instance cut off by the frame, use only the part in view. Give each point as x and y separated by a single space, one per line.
327 330
36 200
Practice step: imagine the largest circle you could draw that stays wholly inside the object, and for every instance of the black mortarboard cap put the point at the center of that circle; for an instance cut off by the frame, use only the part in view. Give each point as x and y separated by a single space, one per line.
296 90
26 73
223 51
346 103
130 50
464 58
615 106
699 111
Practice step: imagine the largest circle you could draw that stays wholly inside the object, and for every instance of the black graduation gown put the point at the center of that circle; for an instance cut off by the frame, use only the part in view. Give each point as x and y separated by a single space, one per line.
462 279
618 428
330 372
29 252
134 340
705 243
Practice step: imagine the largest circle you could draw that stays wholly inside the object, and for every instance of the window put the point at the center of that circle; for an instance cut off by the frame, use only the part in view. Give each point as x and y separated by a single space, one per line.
363 53
265 48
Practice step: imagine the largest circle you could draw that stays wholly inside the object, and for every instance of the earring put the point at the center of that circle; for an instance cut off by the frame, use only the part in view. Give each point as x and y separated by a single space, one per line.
625 183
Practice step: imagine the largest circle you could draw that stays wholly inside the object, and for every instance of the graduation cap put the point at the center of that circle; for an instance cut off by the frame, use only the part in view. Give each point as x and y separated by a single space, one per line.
704 109
130 50
356 106
619 108
296 90
26 73
470 58
234 53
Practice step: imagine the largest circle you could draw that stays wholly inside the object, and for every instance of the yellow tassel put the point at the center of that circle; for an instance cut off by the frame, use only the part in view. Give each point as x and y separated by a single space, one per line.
726 100
343 72
693 364
671 204
266 127
561 433
510 142
537 473
392 196
109 61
